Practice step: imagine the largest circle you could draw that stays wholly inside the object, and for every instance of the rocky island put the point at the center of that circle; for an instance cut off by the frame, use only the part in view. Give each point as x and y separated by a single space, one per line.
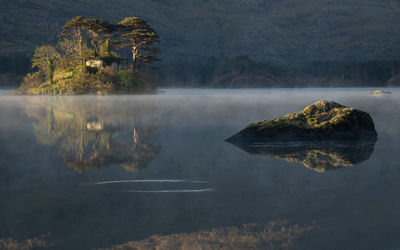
321 121
85 60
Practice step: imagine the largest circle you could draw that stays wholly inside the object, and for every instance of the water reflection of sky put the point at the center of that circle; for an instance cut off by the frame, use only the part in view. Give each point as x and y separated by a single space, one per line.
181 137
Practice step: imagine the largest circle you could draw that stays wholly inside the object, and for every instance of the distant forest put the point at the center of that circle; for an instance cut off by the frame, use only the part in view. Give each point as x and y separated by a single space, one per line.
242 72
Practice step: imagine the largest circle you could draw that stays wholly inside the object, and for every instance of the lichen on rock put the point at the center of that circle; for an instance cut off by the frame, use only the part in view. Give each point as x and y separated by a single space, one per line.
323 120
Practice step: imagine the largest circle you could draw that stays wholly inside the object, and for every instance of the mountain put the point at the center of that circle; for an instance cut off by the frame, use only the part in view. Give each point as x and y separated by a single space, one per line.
275 31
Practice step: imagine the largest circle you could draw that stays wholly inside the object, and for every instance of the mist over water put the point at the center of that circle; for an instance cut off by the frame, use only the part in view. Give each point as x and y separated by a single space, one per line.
86 172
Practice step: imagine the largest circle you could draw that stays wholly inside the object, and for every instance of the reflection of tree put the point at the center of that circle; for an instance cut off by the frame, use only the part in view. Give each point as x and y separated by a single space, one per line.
92 135
274 235
320 157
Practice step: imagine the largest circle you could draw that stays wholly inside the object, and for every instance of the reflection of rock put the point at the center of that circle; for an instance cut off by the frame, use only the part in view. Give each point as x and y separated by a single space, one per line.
274 235
320 121
91 135
320 157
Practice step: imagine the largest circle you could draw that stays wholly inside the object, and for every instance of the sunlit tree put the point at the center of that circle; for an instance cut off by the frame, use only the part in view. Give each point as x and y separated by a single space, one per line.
97 29
45 60
74 29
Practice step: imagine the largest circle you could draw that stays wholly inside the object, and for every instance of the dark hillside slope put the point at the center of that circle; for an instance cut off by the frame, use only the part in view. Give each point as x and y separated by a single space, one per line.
277 31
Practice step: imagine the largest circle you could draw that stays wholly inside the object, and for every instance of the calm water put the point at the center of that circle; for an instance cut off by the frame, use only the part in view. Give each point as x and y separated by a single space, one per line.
154 171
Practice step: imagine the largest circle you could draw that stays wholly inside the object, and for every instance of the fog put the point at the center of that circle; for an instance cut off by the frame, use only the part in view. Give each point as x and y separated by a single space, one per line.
97 171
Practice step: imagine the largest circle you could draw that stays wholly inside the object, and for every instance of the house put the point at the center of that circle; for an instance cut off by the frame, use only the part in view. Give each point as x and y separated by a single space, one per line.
115 63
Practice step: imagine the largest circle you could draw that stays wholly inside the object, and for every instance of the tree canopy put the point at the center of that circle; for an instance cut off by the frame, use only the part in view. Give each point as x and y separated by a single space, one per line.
139 37
97 29
73 28
45 59
86 61
132 33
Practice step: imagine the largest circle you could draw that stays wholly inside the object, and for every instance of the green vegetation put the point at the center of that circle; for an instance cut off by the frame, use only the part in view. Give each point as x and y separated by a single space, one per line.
84 61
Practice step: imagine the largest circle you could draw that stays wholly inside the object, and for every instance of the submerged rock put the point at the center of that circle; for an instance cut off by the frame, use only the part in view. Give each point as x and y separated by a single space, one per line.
323 120
379 92
320 157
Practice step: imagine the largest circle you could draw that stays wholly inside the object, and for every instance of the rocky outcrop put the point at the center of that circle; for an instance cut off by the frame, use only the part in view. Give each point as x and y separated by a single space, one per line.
321 121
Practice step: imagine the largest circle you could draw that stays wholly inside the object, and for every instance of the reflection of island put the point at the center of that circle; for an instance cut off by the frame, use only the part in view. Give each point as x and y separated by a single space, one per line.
274 235
320 157
91 135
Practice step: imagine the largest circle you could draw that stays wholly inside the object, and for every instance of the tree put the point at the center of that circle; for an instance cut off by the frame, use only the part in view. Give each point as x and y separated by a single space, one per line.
97 28
45 60
139 37
73 28
70 53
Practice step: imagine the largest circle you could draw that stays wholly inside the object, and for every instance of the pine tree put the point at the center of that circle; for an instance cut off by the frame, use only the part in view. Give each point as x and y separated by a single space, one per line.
74 28
97 29
139 37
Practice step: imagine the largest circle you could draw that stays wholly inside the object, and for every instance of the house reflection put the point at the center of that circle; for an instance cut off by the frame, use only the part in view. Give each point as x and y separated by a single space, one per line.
317 156
92 135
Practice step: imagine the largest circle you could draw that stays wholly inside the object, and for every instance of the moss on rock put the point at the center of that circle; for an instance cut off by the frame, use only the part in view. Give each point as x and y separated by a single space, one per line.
323 120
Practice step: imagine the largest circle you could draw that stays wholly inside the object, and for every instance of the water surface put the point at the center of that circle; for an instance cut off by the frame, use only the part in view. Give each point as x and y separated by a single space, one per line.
154 171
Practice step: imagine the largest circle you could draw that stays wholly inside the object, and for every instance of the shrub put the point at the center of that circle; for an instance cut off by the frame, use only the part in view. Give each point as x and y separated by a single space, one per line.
31 80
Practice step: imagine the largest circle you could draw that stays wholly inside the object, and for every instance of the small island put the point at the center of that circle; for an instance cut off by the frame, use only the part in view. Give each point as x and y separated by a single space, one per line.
321 121
85 60
379 92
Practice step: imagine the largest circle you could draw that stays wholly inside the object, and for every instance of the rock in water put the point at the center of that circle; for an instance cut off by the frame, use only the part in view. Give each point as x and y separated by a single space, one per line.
379 92
323 120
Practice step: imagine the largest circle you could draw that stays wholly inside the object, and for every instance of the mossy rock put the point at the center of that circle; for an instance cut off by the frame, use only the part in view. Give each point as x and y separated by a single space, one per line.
323 120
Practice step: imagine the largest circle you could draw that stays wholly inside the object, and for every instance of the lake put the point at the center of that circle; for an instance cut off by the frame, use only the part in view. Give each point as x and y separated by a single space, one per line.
154 171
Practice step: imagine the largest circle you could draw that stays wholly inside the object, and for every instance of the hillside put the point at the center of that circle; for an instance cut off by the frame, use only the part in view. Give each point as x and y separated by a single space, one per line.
278 31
